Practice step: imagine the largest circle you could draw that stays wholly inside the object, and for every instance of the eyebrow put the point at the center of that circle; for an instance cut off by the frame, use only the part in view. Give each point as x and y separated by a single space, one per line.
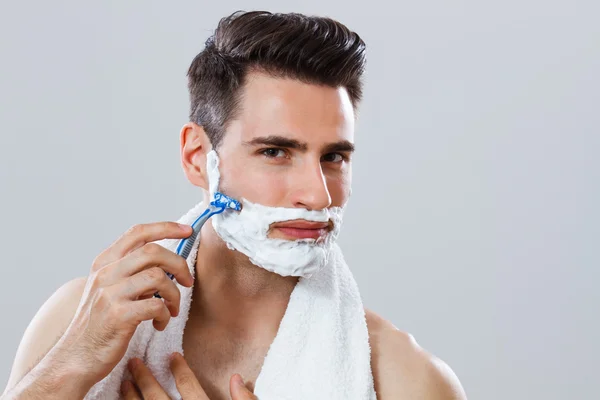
284 142
343 146
277 141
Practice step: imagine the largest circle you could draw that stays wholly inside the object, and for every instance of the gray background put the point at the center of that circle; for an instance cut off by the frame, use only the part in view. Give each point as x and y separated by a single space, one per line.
474 219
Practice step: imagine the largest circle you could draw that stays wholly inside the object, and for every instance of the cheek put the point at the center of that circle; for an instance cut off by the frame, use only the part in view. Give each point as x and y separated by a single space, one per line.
255 184
339 188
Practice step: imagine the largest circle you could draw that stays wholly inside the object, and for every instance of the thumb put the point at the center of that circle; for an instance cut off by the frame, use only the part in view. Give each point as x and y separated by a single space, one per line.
238 389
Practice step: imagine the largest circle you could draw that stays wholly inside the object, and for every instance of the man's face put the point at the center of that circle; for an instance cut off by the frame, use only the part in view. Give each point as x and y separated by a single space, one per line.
290 147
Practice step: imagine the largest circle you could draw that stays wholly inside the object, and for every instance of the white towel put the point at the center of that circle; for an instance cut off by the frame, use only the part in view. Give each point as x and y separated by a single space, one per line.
321 350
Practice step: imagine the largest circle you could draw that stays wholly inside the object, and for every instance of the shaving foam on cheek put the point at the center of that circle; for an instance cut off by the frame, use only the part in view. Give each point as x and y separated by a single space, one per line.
246 231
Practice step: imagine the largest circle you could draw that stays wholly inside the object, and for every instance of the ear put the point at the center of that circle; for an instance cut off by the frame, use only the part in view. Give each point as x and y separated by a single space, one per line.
194 145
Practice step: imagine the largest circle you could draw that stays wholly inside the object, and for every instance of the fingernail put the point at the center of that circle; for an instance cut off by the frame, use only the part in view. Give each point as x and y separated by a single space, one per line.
184 227
133 363
173 310
240 381
125 387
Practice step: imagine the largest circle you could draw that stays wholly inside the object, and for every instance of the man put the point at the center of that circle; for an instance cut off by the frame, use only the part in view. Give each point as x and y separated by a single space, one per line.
277 96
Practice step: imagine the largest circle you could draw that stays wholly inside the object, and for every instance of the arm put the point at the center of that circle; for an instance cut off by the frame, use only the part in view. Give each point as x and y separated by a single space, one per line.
38 366
53 378
95 318
404 370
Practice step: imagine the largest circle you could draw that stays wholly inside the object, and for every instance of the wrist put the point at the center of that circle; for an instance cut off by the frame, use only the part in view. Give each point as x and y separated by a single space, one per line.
55 377
71 370
70 379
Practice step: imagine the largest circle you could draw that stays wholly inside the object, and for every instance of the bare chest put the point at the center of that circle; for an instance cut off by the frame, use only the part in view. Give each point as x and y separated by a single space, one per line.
214 360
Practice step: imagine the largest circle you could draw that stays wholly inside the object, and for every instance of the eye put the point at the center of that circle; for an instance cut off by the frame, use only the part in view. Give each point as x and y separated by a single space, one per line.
334 157
273 152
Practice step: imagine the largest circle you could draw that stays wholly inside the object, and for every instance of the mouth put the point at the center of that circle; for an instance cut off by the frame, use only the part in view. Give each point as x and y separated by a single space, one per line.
300 229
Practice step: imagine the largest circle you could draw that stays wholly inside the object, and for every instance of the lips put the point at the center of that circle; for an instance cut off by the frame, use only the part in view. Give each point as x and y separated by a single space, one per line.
302 229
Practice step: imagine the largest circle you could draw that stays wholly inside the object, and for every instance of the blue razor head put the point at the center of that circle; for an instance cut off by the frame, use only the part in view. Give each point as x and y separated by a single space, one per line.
224 201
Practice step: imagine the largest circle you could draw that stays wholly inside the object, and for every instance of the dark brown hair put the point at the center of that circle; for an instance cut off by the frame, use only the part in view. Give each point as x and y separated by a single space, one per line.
312 49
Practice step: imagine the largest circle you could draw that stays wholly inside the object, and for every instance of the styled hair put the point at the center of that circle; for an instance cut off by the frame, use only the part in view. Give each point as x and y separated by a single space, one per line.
312 49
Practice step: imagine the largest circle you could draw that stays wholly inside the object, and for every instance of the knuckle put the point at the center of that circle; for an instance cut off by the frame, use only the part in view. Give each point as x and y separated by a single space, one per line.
156 305
171 225
97 263
151 249
155 274
135 230
117 311
184 380
98 277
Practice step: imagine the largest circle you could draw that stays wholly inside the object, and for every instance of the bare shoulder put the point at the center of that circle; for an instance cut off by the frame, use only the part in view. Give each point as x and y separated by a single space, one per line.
404 370
46 327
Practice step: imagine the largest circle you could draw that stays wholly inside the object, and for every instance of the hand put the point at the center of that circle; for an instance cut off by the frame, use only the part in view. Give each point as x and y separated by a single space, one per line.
147 387
119 295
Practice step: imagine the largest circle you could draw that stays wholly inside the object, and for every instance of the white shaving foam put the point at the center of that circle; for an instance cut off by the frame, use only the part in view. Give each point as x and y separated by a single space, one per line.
246 231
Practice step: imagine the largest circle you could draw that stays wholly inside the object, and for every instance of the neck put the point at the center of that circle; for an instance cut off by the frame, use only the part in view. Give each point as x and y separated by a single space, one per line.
235 297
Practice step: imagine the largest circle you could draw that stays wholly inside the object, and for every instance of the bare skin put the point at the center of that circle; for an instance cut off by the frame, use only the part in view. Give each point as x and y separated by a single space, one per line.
401 369
237 306
145 386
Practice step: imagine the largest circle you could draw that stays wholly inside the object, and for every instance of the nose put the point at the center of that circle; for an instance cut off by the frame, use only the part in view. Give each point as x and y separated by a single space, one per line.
310 187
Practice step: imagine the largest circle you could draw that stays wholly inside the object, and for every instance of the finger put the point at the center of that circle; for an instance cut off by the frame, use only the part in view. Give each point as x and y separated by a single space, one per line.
150 281
149 255
149 309
238 389
129 391
145 381
185 379
137 236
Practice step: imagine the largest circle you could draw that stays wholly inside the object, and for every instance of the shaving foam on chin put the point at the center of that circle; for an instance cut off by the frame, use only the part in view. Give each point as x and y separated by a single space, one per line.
246 231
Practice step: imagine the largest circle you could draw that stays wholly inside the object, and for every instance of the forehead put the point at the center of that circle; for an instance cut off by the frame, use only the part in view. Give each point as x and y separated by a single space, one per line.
288 107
